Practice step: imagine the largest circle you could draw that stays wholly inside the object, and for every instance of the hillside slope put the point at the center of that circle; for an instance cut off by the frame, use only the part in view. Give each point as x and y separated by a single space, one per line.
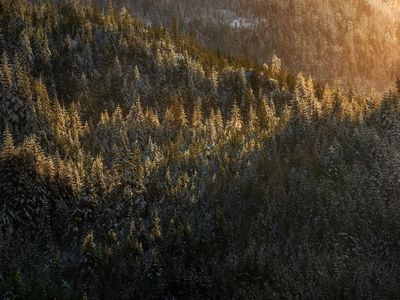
135 164
355 43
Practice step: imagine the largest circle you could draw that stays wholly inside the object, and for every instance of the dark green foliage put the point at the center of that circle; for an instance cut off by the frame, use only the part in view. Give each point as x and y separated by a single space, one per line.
146 167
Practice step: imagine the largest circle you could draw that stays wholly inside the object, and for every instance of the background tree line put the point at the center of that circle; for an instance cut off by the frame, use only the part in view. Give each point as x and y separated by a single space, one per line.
352 43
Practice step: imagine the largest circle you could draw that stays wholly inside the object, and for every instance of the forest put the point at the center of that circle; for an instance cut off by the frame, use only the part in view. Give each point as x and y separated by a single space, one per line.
137 163
353 43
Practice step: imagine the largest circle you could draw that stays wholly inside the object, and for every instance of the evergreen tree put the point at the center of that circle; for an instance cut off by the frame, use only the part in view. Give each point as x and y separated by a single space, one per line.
235 122
6 82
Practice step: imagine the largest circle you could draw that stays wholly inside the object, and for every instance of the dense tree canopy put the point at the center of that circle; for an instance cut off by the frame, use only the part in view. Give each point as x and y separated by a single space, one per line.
349 42
135 164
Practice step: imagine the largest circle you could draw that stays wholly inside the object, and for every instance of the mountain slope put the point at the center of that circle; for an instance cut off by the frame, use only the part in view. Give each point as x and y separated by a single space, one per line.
353 42
135 164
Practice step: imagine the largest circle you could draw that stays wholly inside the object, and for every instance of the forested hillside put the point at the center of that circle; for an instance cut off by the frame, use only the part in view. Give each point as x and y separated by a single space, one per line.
352 42
135 165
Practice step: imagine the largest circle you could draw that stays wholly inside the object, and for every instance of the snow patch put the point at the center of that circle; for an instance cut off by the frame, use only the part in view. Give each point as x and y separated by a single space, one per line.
242 23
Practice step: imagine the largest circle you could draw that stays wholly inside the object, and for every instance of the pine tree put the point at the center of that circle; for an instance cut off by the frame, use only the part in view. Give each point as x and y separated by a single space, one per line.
327 101
8 148
276 66
301 106
26 53
197 115
6 83
89 263
214 84
116 81
180 116
253 122
136 115
83 88
42 53
219 120
156 227
21 116
235 122
67 62
266 115
97 176
43 109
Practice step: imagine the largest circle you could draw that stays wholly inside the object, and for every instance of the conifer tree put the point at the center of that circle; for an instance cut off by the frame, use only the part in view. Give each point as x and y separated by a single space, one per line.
197 115
42 53
235 122
6 82
8 148
26 53
89 263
